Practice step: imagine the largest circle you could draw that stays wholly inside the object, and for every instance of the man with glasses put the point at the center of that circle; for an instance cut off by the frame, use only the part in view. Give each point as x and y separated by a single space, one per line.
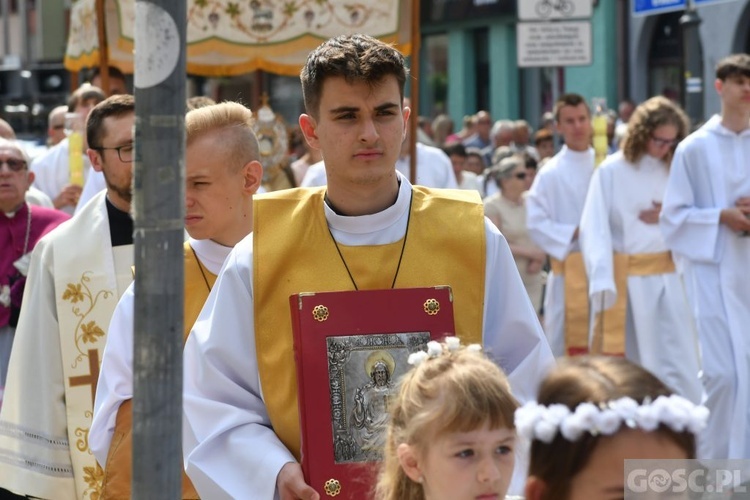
554 206
21 226
705 220
76 276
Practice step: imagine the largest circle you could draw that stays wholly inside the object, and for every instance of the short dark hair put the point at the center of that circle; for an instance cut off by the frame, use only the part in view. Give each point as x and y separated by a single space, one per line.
569 100
356 58
734 65
117 105
455 148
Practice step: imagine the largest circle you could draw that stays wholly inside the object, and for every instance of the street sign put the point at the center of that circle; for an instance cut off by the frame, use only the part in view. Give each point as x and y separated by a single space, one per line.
651 7
702 3
544 44
544 10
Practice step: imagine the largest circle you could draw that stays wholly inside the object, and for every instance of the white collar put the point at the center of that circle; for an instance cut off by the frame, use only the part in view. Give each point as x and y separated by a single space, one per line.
211 254
568 153
363 224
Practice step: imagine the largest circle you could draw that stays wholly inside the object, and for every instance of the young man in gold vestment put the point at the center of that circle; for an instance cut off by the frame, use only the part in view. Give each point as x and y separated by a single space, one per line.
368 229
222 173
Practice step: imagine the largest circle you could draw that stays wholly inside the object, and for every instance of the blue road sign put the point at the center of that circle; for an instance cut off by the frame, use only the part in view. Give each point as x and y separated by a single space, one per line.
700 3
651 7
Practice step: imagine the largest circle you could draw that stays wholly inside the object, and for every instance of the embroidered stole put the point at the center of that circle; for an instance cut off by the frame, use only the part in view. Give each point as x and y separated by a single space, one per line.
293 252
86 292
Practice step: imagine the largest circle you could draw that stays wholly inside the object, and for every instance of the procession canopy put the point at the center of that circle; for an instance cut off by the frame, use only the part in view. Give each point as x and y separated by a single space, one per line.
226 38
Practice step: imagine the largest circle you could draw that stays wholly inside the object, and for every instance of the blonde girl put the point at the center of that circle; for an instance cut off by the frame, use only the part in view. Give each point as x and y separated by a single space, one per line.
451 432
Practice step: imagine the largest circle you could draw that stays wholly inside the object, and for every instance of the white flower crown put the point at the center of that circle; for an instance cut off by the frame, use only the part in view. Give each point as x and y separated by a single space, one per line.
435 349
535 421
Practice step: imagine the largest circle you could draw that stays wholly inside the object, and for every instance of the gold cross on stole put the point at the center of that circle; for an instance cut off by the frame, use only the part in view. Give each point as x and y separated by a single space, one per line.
93 376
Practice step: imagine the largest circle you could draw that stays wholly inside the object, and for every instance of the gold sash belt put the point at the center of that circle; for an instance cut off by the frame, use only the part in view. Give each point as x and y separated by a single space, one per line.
609 326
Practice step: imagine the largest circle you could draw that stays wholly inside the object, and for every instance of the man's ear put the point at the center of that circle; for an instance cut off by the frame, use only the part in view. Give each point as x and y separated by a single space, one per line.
31 177
407 113
309 126
252 174
95 159
407 457
718 85
535 488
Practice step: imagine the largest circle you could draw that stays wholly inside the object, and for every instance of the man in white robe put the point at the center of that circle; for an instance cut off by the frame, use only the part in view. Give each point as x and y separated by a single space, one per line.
76 276
52 169
553 212
222 173
230 448
706 221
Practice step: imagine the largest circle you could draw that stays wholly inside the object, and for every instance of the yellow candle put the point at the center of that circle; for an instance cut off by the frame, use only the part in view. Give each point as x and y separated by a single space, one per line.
75 159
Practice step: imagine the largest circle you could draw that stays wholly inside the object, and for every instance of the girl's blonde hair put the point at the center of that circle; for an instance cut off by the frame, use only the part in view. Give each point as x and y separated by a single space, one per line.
456 391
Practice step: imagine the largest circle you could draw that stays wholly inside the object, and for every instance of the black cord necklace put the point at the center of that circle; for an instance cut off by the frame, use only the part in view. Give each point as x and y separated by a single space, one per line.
200 266
400 257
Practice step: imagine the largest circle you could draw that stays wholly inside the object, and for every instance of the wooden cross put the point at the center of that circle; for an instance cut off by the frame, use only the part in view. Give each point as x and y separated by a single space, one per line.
92 377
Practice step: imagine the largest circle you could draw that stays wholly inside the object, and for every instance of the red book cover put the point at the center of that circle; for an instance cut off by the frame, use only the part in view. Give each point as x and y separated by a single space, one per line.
350 349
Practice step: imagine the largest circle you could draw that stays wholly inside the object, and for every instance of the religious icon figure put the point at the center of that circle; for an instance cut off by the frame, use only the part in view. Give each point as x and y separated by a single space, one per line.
370 414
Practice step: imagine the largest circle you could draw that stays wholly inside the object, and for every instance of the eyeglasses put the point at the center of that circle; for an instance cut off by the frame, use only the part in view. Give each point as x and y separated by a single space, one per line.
124 153
13 164
663 142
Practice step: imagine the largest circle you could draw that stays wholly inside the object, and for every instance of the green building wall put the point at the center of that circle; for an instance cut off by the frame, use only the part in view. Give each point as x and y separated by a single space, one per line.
506 97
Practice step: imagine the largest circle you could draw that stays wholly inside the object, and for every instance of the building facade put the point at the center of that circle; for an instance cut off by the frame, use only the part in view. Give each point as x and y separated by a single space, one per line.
657 62
469 61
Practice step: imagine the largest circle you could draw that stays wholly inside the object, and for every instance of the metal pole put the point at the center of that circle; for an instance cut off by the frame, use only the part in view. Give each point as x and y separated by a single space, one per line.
159 189
416 48
5 5
23 18
692 57
101 33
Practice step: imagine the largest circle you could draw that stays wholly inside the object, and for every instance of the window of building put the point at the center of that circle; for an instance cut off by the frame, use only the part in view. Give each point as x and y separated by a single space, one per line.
433 99
481 48
665 58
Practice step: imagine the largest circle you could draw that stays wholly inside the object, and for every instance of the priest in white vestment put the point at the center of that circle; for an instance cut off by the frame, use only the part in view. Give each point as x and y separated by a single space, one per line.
706 222
76 276
630 270
554 206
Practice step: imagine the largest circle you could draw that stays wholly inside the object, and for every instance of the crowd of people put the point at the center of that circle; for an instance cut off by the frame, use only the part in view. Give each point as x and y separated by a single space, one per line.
599 309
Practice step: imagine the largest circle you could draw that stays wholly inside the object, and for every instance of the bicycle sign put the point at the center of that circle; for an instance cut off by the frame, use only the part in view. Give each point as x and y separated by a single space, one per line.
544 10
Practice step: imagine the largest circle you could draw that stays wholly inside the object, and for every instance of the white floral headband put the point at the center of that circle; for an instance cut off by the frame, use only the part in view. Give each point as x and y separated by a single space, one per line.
435 349
535 421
